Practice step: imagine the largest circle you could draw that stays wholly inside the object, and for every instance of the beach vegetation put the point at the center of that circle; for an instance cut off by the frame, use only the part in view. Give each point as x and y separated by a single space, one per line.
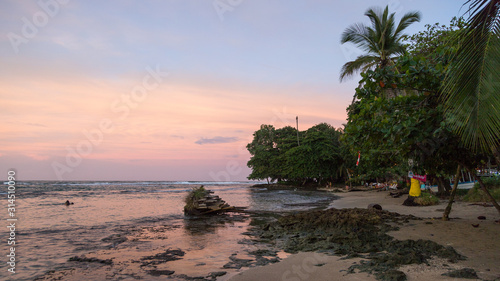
400 125
426 199
193 196
285 155
476 194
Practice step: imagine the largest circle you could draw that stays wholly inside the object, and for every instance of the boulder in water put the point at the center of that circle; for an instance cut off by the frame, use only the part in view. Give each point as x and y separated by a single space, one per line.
201 201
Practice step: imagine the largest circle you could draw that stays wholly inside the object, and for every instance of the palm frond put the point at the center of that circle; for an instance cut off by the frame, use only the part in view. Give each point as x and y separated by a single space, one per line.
375 15
406 21
471 90
357 34
362 62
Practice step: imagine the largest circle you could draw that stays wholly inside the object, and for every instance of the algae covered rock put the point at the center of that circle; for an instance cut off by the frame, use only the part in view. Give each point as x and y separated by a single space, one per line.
356 233
466 273
200 201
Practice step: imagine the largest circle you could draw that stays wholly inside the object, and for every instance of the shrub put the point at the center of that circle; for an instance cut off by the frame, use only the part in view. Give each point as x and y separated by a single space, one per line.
193 196
491 183
426 199
476 194
462 192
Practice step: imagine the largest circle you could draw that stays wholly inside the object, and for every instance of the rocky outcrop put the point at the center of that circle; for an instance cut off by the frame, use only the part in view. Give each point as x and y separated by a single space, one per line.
201 201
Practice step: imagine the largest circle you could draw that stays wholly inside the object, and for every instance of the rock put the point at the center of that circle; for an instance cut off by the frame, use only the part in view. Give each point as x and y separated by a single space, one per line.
392 275
232 265
375 207
169 255
467 273
481 218
200 201
155 272
355 232
217 274
85 259
115 239
395 194
410 201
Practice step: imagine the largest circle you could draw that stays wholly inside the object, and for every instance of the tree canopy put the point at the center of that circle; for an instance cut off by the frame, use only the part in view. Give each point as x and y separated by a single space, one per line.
276 154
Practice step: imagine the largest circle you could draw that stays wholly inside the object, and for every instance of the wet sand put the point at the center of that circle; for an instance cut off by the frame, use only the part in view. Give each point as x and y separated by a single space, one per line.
481 245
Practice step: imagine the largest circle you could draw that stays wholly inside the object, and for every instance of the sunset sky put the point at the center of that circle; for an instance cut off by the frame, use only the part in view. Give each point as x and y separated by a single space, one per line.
170 90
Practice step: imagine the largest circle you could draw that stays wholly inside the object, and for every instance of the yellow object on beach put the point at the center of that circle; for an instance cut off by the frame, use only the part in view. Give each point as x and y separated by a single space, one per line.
415 188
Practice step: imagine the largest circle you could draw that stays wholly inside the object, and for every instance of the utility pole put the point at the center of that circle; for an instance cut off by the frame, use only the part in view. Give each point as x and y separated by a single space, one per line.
297 118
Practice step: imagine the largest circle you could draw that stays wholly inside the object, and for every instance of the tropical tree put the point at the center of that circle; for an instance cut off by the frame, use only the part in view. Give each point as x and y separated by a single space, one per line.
381 42
317 158
276 154
262 150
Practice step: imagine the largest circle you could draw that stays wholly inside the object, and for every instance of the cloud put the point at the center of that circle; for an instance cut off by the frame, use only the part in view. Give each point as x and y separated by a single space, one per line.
35 125
216 140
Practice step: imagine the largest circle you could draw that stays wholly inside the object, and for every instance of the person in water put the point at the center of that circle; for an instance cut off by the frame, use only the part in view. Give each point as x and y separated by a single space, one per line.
67 203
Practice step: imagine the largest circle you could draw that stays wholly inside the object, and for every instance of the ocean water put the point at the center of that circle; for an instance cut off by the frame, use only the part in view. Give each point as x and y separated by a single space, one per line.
48 232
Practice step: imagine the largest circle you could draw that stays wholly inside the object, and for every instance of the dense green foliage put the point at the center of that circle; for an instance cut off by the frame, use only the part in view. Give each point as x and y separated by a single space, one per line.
475 194
193 196
398 122
277 155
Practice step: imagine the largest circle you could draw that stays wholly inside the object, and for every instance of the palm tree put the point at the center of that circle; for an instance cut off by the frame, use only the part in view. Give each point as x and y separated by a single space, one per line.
381 41
471 89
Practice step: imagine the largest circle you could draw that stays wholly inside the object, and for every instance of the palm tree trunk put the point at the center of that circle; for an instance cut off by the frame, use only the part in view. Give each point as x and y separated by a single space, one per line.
483 187
447 211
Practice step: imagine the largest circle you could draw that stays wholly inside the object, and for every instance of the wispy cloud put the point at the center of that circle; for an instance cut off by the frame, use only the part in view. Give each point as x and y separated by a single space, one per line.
216 140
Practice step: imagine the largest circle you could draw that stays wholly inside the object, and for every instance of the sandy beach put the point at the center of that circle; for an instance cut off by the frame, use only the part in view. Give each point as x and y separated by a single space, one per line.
479 244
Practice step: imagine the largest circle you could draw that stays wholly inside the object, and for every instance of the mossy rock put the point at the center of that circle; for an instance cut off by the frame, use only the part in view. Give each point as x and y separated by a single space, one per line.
391 275
356 232
466 273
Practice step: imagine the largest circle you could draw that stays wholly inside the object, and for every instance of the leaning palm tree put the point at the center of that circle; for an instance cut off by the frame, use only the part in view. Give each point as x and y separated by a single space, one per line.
381 41
471 89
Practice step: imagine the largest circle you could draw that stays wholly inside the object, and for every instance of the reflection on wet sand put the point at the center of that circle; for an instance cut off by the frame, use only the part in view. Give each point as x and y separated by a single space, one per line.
157 240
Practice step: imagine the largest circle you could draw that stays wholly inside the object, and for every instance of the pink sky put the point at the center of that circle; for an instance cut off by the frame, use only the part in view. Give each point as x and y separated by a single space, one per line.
260 63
